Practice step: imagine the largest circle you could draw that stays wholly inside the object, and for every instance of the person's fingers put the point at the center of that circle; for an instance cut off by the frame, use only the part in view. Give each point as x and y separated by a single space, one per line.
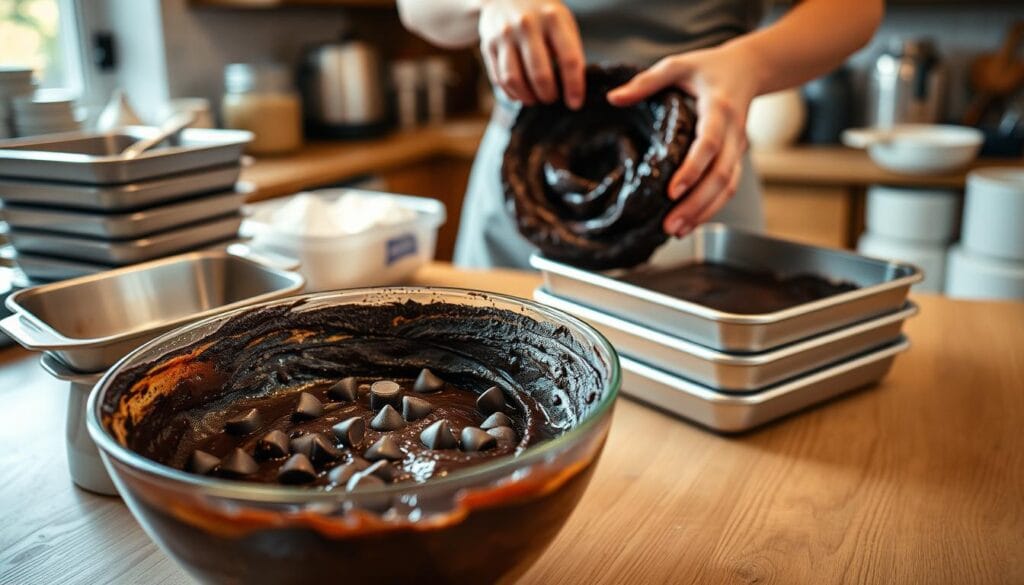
710 137
715 183
510 76
668 71
727 193
536 58
563 36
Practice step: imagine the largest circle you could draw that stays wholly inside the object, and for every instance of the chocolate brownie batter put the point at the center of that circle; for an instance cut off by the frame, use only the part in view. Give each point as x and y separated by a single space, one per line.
588 187
737 290
354 395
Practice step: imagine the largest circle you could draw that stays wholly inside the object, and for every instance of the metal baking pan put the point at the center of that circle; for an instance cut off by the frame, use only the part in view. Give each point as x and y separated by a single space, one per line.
883 287
736 413
91 322
120 253
122 226
46 269
119 198
727 372
95 157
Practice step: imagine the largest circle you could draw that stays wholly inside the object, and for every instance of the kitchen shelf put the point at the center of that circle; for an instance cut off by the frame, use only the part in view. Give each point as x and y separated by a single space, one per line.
265 4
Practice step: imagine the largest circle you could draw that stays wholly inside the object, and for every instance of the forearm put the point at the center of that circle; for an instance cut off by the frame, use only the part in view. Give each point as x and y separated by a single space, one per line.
448 23
811 39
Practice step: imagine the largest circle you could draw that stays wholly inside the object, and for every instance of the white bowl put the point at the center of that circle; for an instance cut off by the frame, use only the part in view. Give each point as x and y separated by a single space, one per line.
982 277
918 149
930 258
381 256
994 213
919 215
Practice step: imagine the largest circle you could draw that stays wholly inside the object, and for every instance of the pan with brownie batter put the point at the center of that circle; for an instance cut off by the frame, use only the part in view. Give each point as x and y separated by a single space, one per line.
386 435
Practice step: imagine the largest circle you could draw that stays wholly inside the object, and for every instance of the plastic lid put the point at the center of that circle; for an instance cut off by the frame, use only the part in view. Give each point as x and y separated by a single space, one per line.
257 77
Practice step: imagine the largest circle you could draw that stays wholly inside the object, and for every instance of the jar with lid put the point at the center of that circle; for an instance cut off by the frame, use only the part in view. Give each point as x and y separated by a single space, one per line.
260 98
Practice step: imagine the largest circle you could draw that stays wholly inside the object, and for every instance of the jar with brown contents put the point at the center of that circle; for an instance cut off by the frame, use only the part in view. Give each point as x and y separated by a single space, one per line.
260 98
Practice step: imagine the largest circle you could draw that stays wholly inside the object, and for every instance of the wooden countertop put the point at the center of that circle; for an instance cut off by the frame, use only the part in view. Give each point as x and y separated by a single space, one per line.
325 163
917 480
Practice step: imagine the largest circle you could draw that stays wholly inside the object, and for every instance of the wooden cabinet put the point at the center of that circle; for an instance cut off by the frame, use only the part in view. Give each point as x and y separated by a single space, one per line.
444 178
811 215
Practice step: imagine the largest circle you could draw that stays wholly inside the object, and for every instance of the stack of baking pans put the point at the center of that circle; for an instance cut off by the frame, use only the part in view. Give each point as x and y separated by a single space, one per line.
75 206
732 371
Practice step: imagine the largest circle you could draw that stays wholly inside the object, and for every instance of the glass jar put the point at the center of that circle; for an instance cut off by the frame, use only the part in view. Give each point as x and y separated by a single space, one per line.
260 98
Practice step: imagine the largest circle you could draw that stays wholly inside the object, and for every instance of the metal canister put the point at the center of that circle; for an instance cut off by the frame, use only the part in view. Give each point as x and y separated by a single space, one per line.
906 85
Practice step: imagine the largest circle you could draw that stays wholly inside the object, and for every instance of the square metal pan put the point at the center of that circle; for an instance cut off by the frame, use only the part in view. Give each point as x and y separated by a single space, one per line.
121 226
734 373
94 157
120 198
883 287
120 253
736 413
91 322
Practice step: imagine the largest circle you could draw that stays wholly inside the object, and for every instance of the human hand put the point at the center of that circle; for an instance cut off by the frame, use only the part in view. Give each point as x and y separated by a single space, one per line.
724 82
523 40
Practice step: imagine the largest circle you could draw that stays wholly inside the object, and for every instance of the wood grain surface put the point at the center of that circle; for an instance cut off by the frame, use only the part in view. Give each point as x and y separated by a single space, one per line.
917 480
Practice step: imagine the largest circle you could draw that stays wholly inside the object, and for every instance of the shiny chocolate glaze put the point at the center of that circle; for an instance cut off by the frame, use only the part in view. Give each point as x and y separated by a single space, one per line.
737 290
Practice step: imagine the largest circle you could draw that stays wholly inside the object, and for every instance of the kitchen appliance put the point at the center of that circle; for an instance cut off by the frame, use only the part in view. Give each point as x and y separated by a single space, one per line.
883 288
906 84
342 86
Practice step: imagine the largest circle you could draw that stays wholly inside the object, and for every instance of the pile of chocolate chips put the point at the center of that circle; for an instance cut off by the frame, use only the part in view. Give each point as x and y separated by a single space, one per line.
357 432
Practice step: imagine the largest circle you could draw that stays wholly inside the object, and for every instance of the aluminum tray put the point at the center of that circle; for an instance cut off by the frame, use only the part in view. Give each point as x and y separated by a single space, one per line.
733 373
94 158
883 288
46 269
120 198
124 252
732 413
91 322
126 225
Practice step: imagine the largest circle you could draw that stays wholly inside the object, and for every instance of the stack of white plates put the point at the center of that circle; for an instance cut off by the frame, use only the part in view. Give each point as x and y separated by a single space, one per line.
46 111
911 225
14 81
988 263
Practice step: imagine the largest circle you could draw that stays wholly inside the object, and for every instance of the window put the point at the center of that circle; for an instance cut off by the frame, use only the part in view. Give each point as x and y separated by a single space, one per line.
42 34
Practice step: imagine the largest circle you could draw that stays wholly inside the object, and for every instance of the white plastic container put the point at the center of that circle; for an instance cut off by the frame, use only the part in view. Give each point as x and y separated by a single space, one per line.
918 215
381 256
994 213
971 276
931 258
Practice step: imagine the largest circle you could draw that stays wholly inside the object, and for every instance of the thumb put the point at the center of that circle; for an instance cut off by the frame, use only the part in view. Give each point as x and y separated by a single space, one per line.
659 76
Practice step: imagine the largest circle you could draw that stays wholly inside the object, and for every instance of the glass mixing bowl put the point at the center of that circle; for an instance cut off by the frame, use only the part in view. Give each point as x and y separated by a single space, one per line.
479 524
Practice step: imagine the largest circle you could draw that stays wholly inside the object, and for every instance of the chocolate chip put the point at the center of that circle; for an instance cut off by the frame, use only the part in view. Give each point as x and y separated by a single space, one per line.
350 431
474 439
383 470
507 434
498 419
244 424
387 419
346 389
308 407
491 401
238 464
314 446
415 408
359 463
296 470
439 435
385 392
272 445
202 462
341 474
384 448
427 382
363 480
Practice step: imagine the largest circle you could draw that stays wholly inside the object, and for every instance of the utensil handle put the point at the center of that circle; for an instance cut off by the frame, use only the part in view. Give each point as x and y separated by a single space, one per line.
172 126
864 137
32 336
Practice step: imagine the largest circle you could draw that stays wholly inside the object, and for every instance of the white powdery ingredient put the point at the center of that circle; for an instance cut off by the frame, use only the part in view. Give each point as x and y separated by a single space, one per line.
308 214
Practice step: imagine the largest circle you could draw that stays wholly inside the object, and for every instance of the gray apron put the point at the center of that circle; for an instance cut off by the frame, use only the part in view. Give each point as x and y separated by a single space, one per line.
639 32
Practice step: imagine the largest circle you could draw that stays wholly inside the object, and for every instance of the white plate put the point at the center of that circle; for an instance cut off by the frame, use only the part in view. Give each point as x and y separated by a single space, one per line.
918 149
